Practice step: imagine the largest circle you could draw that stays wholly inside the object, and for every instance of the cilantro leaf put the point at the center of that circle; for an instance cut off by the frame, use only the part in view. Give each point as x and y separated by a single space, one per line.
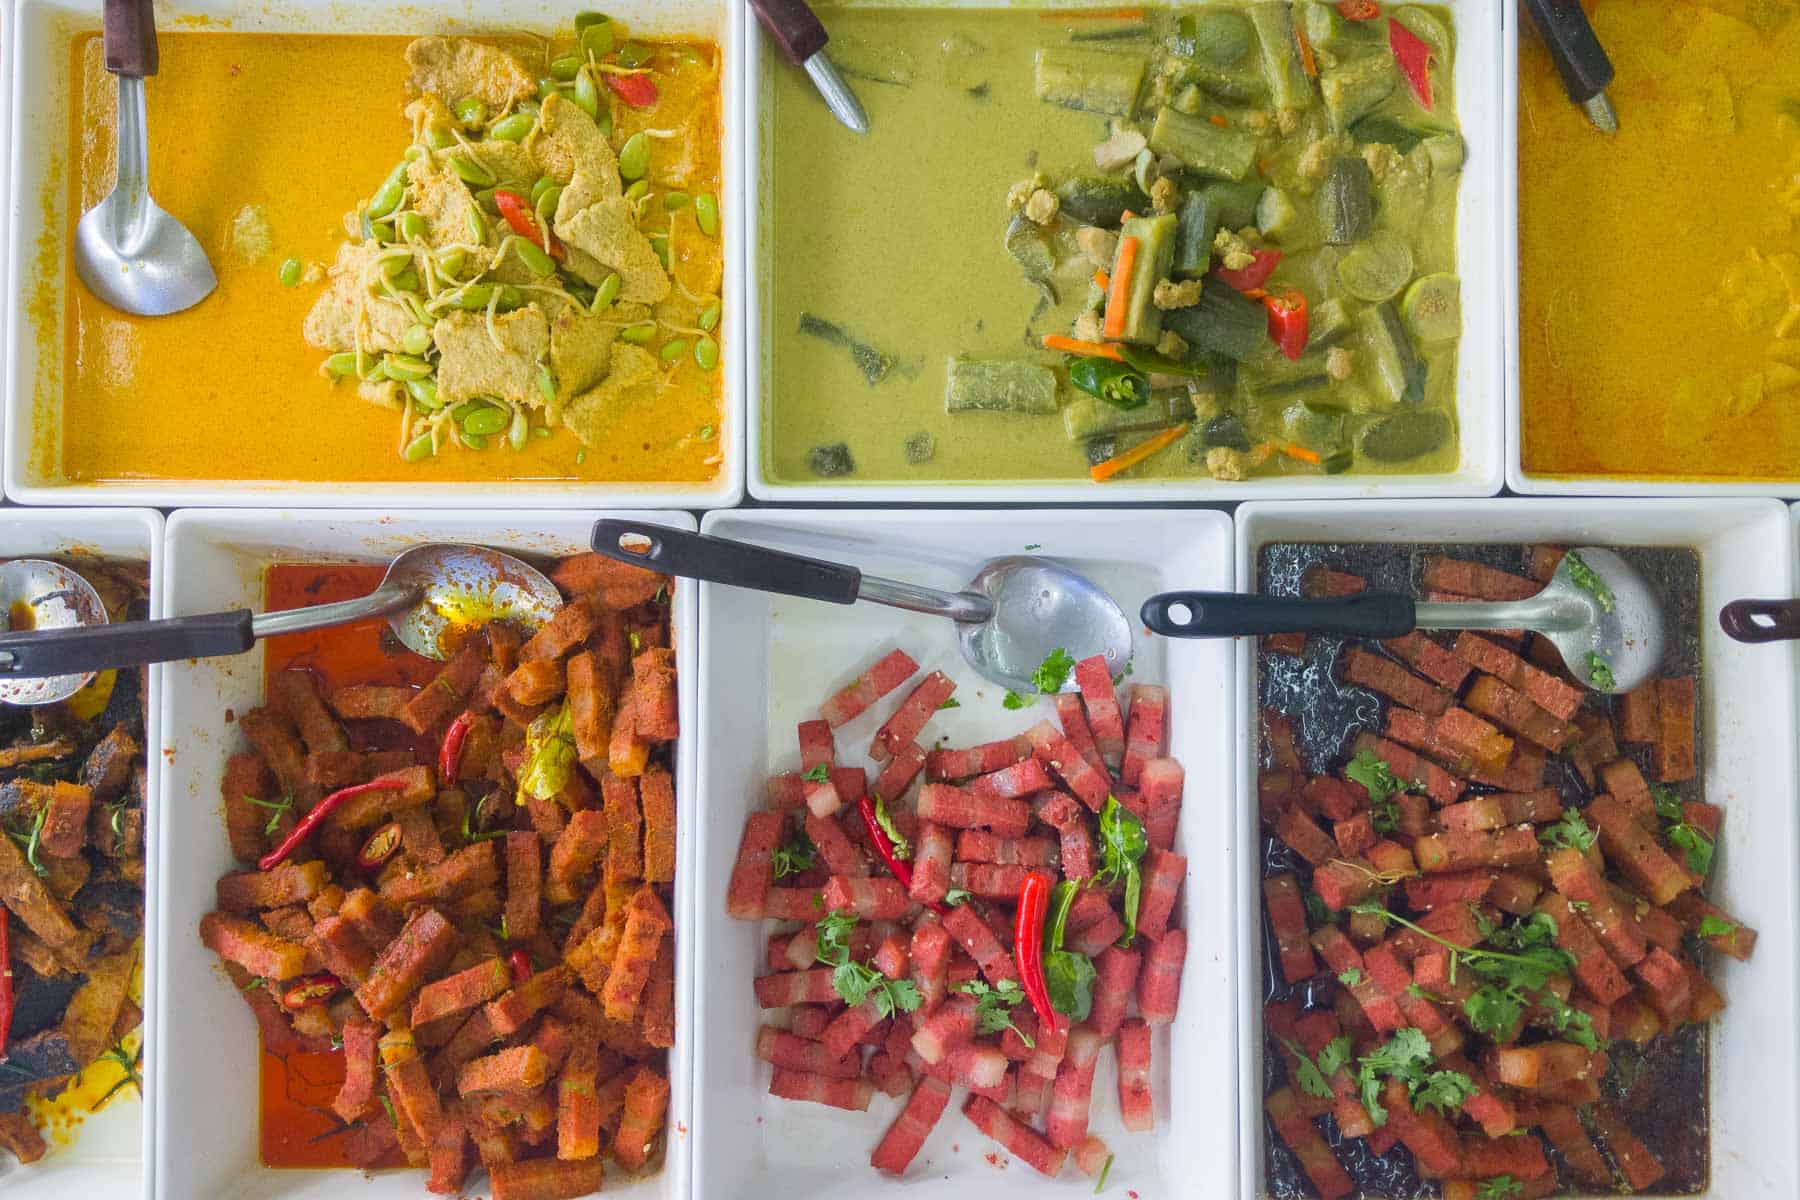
1013 702
1122 847
1569 1021
1336 1054
1306 1073
1350 978
1600 672
956 896
1505 1187
1711 926
1571 833
833 935
1376 777
1698 846
795 855
818 774
952 702
994 1005
1494 1010
1317 911
1053 672
1444 1090
1588 580
1667 802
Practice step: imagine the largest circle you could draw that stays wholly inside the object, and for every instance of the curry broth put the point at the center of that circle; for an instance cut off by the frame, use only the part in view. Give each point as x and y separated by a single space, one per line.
1659 271
301 125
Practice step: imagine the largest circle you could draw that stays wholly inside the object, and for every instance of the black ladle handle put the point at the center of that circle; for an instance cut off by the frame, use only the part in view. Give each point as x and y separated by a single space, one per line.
129 37
1580 59
792 26
1757 621
721 560
1235 614
46 653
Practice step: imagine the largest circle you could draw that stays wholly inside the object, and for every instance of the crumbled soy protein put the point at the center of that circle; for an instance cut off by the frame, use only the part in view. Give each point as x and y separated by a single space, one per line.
921 447
831 461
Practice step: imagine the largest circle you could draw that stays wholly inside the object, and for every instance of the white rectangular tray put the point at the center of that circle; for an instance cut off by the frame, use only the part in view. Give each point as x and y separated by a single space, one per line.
206 1143
39 226
1485 261
106 1155
767 662
1747 733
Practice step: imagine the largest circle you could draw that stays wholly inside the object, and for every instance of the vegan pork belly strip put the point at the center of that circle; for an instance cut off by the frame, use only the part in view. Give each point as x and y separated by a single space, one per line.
753 874
1146 729
1020 1140
1475 580
910 718
422 948
946 804
906 1136
1394 681
1073 718
1429 659
1059 754
850 1094
890 672
944 765
1549 693
1094 677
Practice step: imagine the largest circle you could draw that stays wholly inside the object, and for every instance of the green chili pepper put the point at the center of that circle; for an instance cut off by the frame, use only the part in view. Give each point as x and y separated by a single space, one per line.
1113 382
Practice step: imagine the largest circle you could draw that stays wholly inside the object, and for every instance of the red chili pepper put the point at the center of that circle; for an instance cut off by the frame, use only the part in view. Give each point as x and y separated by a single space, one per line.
520 962
1358 10
1028 946
324 808
1414 57
639 91
884 846
450 754
310 990
1245 279
380 847
1288 322
517 211
6 989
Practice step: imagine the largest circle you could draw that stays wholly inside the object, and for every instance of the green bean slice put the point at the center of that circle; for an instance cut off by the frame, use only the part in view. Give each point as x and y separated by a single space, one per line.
564 69
638 190
510 298
597 39
439 137
706 353
513 127
540 431
534 258
381 231
404 367
486 420
638 334
420 448
451 263
634 157
406 281
290 273
343 363
410 226
388 196
477 226
470 171
545 208
475 297
607 292
706 212
539 186
660 243
709 316
587 93
424 394
673 350
547 87
546 384
636 54
416 340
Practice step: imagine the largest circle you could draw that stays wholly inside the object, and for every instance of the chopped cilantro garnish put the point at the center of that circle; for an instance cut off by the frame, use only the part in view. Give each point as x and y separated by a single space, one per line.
1711 926
1572 832
1600 672
1589 581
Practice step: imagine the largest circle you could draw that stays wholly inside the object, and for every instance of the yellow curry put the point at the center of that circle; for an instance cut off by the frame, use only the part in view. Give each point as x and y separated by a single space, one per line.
260 143
1660 269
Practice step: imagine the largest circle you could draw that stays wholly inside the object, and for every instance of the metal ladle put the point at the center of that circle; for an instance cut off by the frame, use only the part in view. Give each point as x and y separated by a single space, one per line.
1608 625
37 594
129 252
1010 618
430 594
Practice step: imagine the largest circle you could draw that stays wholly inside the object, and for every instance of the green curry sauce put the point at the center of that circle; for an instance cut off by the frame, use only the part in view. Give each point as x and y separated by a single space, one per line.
907 292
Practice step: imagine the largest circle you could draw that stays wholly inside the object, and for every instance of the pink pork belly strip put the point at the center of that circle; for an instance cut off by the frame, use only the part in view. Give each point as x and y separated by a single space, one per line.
1019 1139
942 765
786 790
1074 1087
904 1138
907 760
836 853
1145 729
1159 984
930 963
754 872
908 721
931 864
1061 757
781 1048
977 846
872 899
1137 1108
848 1029
990 881
981 943
893 670
795 987
945 804
1016 782
1163 873
818 750
1073 719
1094 678
953 1022
1160 786
850 1094
1117 977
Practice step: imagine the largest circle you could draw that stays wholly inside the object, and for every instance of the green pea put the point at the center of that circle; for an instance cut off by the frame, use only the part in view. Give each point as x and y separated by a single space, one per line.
393 264
477 226
706 212
381 231
675 200
514 127
534 258
475 297
486 420
706 353
607 292
419 449
539 186
634 157
342 364
565 68
410 226
660 244
638 334
709 316
451 263
424 394
406 281
546 384
636 54
519 431
416 340
438 136
404 367
470 111
597 39
388 196
638 190
470 171
587 93
674 350
290 273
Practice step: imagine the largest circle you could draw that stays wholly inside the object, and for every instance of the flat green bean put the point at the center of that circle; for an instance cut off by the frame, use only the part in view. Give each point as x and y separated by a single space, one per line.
638 334
660 243
475 297
636 54
439 137
404 367
519 431
709 316
410 226
477 226
406 280
673 350
548 87
534 258
475 441
546 384
706 212
513 127
587 93
510 298
381 231
388 196
597 39
545 206
290 272
565 68
470 111
706 353
451 263
425 394
634 157
470 171
343 363
607 292
539 186
420 448
485 421
675 200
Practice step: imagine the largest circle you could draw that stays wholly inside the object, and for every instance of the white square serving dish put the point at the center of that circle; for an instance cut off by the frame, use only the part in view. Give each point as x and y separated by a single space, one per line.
1746 548
1483 264
206 1144
767 662
105 1155
39 226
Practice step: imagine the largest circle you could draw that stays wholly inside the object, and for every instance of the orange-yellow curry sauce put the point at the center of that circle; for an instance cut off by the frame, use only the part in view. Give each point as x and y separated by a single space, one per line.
304 127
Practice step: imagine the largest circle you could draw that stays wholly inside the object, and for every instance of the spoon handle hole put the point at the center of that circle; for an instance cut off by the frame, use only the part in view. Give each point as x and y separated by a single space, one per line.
1755 621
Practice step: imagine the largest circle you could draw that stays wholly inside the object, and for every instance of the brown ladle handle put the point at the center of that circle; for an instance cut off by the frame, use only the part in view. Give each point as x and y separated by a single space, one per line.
130 38
793 26
1761 620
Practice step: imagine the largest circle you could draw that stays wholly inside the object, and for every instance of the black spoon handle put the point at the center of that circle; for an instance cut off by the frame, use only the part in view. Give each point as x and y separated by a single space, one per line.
128 32
1580 59
721 560
1757 621
793 26
46 653
1234 614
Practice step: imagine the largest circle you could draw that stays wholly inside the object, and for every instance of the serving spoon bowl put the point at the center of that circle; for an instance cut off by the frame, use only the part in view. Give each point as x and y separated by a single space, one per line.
1013 614
129 252
432 596
1599 613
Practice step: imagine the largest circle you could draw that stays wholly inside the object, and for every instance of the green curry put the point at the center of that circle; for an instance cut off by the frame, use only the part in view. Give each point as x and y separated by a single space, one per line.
1213 242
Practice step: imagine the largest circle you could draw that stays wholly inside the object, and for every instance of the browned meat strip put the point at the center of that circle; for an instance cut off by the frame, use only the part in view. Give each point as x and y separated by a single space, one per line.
296 693
591 706
65 822
613 584
247 779
18 756
274 738
108 766
536 682
25 894
94 1009
371 702
562 633
445 696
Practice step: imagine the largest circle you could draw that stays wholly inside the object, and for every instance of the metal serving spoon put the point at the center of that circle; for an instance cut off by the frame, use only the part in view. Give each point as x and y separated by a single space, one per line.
430 595
36 593
1014 613
129 252
1611 624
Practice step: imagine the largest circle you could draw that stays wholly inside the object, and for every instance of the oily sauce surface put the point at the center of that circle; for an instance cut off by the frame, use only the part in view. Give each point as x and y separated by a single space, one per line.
1661 1090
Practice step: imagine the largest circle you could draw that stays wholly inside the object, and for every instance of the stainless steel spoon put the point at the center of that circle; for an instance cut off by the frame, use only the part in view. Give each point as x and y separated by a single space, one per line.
1010 618
129 252
37 594
431 595
1599 613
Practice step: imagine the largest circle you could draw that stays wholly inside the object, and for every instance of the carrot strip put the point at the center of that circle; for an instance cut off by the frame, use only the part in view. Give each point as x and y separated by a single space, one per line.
1220 121
1101 472
1298 453
1118 295
1309 62
1102 280
1069 345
